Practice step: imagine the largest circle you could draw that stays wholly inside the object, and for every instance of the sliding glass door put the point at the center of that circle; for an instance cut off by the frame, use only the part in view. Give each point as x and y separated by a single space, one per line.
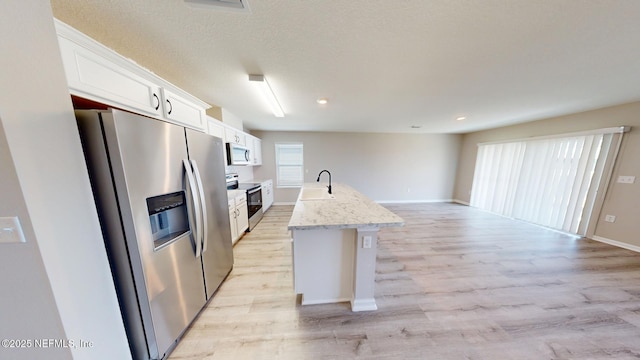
550 181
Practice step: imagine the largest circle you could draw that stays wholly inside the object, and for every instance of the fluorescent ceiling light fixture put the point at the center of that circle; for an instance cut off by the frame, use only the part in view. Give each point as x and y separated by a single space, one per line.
227 5
261 82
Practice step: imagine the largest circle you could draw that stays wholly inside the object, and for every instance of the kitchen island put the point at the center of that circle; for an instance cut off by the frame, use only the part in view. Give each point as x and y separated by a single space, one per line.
335 245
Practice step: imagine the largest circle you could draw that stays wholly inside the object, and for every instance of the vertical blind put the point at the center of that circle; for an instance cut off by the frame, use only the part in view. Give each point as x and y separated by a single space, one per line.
289 165
548 181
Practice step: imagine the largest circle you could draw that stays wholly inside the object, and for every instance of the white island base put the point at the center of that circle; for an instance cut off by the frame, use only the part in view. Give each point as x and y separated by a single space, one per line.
333 266
334 246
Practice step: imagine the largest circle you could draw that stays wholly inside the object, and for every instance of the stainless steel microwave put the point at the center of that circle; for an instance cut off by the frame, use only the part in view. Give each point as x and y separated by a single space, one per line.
238 155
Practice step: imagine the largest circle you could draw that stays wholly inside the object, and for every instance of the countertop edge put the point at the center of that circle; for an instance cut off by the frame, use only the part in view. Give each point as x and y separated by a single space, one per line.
344 226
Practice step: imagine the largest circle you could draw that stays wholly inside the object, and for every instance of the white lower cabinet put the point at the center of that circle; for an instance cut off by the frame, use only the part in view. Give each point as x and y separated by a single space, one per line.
238 215
243 216
267 195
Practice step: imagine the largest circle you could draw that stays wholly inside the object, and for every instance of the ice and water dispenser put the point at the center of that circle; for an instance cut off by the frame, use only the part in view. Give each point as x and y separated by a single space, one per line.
168 216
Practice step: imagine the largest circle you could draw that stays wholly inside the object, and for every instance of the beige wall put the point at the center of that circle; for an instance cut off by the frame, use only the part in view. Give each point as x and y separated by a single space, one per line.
621 199
385 167
62 229
24 277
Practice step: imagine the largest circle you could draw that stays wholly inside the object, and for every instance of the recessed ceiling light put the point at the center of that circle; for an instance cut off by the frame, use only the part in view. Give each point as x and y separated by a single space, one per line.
460 118
416 126
322 101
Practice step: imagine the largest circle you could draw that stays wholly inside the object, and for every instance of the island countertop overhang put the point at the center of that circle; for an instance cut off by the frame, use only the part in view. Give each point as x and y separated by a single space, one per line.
348 210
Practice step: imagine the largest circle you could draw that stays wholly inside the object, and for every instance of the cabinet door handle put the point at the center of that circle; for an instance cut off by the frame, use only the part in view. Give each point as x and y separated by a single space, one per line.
157 101
170 107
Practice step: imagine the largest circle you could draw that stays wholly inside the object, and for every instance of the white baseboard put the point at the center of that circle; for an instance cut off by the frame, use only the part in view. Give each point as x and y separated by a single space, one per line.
413 201
616 243
323 301
390 202
363 305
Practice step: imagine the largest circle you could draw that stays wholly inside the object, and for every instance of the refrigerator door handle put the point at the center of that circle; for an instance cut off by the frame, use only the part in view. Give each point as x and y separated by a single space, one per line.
197 235
203 206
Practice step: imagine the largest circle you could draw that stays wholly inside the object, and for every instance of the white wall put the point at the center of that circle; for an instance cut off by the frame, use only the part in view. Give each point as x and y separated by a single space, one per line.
231 119
43 141
384 167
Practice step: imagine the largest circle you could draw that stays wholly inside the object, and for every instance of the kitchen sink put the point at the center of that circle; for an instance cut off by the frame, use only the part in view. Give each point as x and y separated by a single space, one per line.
315 194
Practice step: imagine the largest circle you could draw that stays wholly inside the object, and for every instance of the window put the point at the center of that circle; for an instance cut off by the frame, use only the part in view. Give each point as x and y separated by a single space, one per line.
557 182
289 165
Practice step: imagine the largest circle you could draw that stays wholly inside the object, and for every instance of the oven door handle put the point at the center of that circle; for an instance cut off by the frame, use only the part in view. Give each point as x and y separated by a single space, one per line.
249 192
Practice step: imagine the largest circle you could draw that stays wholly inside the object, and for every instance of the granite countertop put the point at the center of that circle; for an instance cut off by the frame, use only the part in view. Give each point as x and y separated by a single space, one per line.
232 194
349 209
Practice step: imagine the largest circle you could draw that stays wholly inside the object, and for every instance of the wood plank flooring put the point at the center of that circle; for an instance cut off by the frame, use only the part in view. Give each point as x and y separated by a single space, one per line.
453 283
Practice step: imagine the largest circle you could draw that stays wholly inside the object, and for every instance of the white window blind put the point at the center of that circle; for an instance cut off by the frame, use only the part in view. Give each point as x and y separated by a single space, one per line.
552 182
289 165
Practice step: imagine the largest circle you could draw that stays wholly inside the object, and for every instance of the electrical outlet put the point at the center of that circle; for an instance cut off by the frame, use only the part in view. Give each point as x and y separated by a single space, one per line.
366 242
610 218
626 179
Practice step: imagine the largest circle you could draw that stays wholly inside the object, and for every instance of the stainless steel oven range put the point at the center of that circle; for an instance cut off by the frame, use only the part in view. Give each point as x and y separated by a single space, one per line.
254 198
254 202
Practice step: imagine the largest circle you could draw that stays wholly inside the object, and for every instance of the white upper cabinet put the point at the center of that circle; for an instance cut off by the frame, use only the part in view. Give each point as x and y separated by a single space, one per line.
94 77
255 147
98 73
179 109
257 151
215 128
234 136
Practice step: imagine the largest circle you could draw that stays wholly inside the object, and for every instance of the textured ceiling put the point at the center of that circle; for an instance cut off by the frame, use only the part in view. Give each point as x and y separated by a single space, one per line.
383 65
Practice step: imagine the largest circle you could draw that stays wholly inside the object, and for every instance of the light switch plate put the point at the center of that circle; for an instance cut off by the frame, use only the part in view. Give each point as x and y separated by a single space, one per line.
366 242
610 218
10 230
626 179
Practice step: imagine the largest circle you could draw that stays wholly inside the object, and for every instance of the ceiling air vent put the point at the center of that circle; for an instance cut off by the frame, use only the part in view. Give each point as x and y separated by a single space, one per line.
229 5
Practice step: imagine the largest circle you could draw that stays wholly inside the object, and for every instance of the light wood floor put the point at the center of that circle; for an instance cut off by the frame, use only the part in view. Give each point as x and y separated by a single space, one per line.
454 283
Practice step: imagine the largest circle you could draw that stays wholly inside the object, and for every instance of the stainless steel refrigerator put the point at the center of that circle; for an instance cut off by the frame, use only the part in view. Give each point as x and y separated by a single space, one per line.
161 196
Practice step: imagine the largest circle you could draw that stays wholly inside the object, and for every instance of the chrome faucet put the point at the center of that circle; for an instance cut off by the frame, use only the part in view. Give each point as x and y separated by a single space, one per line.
318 180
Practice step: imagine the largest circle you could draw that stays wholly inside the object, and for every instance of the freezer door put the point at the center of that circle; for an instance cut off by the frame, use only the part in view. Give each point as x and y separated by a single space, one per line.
207 154
147 161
